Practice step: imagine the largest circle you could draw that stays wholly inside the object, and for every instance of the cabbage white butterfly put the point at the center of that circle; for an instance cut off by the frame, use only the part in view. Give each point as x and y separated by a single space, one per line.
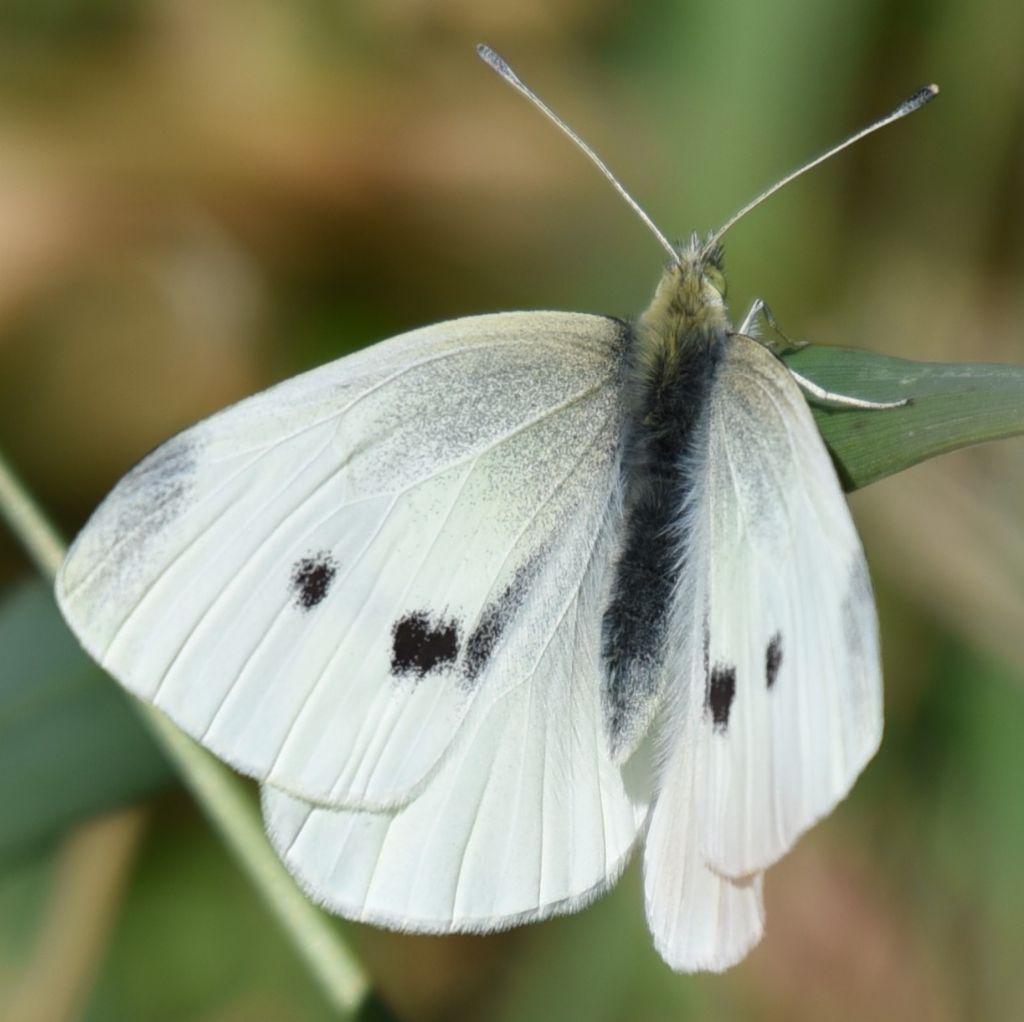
489 604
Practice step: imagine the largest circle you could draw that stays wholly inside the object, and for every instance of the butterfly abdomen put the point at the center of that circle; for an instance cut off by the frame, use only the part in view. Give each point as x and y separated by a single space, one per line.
670 366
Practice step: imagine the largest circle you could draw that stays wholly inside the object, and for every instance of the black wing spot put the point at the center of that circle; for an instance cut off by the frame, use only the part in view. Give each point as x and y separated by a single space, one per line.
494 620
773 659
419 645
312 578
485 636
721 691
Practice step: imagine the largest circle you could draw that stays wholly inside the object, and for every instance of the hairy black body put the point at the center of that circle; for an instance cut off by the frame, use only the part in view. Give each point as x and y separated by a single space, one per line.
667 392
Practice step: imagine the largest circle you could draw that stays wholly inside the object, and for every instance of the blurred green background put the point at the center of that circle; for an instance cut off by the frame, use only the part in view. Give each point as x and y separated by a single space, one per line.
198 199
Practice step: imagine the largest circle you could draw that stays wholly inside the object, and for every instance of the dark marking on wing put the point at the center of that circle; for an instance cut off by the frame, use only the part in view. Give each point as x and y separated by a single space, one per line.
662 458
311 579
720 693
133 521
707 648
773 659
420 645
154 492
494 620
485 636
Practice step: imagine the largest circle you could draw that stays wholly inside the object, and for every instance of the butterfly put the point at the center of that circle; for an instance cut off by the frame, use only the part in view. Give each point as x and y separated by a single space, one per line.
489 605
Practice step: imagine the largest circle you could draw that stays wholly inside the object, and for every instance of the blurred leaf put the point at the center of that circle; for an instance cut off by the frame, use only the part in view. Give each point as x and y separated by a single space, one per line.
70 744
192 942
954 405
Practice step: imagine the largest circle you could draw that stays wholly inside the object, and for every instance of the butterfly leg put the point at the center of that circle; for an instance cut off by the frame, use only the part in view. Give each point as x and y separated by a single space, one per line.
842 400
760 308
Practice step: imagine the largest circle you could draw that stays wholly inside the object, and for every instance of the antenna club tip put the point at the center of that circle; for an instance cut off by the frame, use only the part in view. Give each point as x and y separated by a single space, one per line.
923 95
499 65
488 56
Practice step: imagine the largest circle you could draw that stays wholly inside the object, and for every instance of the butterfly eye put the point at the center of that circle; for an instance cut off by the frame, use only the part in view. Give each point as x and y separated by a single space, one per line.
716 278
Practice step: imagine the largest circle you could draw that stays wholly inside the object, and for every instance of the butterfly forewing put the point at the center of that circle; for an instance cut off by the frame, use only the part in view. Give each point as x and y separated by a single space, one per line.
792 706
318 582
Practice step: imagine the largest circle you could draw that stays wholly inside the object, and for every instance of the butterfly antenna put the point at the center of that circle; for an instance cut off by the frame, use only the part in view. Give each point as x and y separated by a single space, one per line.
908 106
498 65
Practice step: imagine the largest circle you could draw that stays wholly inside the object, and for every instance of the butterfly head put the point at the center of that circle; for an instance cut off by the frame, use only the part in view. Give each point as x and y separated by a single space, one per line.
690 296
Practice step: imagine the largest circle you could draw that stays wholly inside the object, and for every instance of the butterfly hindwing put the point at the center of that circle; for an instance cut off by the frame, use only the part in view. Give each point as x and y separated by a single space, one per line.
700 920
318 582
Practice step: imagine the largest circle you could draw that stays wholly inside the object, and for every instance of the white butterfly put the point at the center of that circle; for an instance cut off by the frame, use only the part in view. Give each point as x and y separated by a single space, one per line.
490 603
